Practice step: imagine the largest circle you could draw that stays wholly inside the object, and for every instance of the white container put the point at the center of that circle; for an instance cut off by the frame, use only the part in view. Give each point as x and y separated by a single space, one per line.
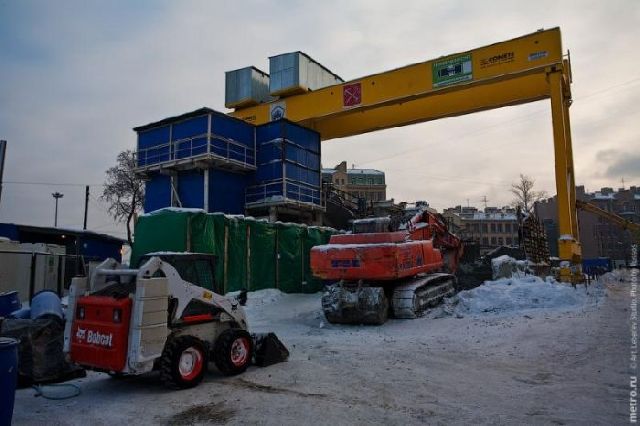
296 72
245 87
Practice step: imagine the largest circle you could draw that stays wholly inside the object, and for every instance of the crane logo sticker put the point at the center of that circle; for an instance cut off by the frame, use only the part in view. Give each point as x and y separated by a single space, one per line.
278 111
351 95
499 59
452 71
94 337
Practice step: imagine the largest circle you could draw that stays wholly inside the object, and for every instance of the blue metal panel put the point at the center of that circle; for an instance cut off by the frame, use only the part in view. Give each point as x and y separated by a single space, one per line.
306 138
232 128
301 162
9 230
189 128
157 193
227 191
191 189
153 137
295 154
99 248
268 172
269 151
191 136
153 146
313 161
269 131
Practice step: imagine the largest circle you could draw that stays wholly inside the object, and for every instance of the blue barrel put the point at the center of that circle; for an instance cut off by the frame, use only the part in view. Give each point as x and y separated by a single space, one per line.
9 302
8 378
46 304
22 313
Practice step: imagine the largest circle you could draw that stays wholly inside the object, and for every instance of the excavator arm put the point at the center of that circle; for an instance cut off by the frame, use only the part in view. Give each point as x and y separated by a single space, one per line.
623 223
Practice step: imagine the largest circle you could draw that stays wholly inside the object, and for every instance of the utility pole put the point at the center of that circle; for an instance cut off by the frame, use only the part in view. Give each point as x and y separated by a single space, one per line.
3 152
86 206
57 196
484 200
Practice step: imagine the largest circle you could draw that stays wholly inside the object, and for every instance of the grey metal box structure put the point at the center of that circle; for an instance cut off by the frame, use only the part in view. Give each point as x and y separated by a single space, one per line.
297 72
245 87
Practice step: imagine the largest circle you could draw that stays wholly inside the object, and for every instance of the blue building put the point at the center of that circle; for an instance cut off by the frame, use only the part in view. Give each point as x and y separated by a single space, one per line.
206 159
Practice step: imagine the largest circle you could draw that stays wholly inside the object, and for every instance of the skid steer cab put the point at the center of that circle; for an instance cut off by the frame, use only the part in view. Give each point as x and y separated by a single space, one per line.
166 315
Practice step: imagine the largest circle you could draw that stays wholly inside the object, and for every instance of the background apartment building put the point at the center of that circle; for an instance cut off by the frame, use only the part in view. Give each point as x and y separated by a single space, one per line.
491 228
367 184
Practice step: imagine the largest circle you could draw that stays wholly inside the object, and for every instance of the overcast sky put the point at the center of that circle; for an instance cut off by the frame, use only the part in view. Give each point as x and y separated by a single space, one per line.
76 76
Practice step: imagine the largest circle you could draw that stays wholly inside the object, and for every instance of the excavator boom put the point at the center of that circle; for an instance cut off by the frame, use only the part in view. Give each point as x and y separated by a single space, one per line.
623 223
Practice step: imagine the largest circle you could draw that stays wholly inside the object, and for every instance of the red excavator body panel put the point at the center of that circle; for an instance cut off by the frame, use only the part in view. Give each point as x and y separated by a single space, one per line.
374 257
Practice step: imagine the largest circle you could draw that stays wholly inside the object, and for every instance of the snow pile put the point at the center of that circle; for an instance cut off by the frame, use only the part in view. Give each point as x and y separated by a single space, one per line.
506 267
511 295
263 297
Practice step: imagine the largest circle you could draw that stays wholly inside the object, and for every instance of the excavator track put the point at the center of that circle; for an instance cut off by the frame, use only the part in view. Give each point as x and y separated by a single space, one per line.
369 305
410 300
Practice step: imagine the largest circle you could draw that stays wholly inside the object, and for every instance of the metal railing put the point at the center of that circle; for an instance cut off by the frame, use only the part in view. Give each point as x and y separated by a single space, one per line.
206 144
282 191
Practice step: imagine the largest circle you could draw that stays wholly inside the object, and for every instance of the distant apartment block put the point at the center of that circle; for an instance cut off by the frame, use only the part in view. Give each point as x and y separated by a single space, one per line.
491 228
367 184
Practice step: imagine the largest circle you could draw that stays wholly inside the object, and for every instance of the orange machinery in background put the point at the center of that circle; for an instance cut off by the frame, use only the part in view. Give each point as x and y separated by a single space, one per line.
405 271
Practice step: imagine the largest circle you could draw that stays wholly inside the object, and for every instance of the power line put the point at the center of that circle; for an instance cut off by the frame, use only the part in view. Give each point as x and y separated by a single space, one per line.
14 182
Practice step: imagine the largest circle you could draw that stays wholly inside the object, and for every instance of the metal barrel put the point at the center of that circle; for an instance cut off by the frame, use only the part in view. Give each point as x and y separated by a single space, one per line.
22 313
8 378
46 303
9 302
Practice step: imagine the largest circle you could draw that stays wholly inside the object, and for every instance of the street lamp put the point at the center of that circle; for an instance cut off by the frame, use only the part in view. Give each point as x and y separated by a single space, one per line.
56 195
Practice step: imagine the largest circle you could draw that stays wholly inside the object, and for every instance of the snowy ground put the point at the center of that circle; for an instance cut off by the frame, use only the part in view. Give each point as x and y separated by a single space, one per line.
511 351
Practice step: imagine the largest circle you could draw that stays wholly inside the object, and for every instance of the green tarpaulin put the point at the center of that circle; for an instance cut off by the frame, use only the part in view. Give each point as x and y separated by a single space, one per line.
236 259
164 230
262 255
290 267
249 254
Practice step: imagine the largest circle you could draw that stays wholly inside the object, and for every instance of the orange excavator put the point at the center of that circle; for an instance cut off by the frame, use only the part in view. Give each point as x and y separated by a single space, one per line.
384 268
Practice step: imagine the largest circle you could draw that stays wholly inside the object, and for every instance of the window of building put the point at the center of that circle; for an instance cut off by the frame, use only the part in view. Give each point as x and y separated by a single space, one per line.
499 226
370 181
476 227
509 241
500 241
493 241
485 241
485 229
493 228
507 228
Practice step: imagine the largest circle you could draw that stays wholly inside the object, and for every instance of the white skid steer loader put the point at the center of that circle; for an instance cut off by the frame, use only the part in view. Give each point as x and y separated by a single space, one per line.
132 321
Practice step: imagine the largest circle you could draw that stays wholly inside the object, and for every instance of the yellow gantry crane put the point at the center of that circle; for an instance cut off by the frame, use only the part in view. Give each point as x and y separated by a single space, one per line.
525 69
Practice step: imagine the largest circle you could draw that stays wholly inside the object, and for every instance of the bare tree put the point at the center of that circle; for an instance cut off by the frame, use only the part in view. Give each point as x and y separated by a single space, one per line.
525 195
123 190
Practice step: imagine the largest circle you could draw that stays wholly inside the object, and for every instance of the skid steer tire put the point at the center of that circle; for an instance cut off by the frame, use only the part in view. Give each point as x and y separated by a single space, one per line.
183 362
233 351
